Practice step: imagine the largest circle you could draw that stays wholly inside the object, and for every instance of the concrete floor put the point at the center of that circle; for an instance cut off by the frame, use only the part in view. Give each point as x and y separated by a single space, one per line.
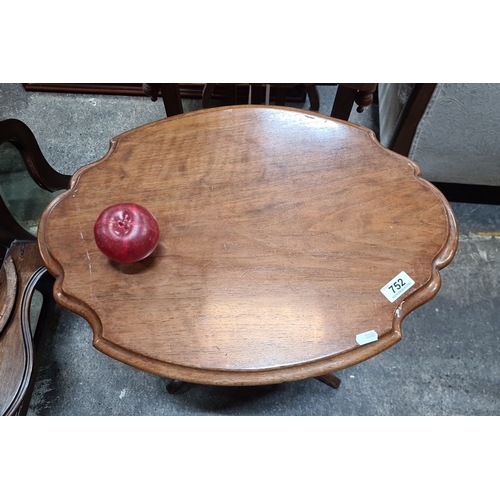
446 364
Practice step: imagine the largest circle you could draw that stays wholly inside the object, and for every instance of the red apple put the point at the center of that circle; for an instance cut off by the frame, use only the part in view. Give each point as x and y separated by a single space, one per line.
126 232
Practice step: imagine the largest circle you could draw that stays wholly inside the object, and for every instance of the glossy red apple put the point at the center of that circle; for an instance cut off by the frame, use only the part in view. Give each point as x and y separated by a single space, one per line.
126 232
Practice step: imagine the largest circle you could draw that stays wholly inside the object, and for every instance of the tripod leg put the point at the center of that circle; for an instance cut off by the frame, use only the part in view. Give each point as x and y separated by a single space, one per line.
175 386
330 379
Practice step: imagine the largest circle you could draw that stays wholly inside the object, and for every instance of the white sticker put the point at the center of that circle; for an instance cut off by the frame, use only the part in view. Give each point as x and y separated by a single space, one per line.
366 337
397 286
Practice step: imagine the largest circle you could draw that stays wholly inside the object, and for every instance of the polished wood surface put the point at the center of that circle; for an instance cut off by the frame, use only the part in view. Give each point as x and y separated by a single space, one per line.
279 228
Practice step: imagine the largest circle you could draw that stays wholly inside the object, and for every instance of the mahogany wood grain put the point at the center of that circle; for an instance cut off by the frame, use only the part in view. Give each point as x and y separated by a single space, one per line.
278 227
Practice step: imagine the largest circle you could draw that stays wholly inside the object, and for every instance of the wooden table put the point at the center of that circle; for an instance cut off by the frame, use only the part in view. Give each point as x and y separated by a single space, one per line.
279 229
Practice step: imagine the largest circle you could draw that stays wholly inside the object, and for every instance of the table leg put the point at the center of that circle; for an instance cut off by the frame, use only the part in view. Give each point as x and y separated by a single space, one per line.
175 386
329 379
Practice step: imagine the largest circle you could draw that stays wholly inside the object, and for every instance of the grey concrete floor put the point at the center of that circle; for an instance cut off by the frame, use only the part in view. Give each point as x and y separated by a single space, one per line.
446 364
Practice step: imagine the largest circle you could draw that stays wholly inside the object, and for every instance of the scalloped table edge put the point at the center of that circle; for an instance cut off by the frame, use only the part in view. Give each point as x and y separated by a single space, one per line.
294 372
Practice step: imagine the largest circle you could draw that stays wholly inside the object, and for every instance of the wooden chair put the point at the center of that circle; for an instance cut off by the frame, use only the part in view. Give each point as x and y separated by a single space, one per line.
259 93
170 94
348 94
22 271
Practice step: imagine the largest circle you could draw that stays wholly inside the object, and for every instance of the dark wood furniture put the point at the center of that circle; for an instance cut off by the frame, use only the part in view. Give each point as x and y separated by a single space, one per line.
348 94
259 93
410 117
284 236
231 94
22 272
187 90
170 94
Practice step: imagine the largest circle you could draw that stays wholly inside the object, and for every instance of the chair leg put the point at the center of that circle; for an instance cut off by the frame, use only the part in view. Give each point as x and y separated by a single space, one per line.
152 90
256 93
330 379
312 92
206 95
363 100
230 91
280 96
344 100
231 95
171 96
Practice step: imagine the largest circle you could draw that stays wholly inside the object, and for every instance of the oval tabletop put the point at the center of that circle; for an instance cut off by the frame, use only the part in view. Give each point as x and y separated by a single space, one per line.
292 245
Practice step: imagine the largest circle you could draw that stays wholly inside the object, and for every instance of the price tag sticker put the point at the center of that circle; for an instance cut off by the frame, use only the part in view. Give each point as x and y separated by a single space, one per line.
366 337
397 286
